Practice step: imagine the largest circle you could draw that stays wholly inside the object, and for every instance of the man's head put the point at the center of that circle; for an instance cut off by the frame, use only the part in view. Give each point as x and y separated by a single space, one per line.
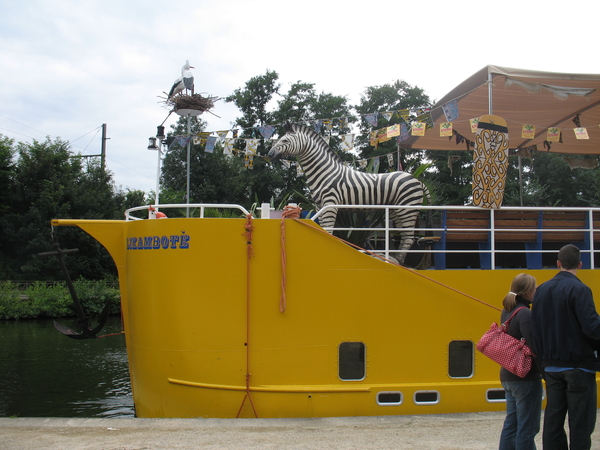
569 258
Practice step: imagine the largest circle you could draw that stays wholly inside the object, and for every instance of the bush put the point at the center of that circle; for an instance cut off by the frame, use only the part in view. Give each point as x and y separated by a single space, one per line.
44 300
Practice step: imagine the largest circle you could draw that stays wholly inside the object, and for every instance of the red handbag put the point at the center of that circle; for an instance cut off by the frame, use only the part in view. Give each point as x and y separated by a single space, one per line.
511 353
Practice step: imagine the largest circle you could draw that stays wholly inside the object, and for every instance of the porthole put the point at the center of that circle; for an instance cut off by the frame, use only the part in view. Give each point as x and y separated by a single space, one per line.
495 396
389 398
427 397
460 359
351 361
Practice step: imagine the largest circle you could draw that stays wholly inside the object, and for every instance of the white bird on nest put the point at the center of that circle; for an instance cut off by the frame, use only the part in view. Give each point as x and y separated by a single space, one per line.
185 81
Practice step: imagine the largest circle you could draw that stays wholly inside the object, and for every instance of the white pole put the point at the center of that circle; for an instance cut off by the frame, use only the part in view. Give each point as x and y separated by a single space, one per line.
187 214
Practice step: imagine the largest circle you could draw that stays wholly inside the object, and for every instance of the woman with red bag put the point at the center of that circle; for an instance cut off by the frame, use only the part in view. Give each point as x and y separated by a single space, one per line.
523 395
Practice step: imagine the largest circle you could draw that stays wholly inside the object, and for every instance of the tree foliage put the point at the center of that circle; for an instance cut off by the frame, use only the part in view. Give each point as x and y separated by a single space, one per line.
47 181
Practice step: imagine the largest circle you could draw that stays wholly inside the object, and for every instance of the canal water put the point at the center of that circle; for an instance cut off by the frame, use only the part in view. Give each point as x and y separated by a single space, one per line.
46 374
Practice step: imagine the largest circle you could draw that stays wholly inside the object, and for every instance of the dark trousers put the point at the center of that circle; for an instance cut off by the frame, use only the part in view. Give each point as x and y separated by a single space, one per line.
572 391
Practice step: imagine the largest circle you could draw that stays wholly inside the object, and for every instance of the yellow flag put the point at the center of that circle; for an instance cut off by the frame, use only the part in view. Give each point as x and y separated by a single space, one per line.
418 129
528 131
445 129
553 135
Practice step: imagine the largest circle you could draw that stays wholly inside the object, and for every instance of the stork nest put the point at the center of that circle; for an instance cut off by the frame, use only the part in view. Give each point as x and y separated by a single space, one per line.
195 101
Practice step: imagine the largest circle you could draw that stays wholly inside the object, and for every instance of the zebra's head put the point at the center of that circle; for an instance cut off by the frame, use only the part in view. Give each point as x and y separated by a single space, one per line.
288 145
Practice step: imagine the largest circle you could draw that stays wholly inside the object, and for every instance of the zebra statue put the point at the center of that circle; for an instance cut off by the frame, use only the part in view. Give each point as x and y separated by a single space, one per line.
332 183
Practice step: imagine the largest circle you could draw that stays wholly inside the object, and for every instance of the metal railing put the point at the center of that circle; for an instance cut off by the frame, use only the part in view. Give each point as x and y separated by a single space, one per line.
436 235
200 206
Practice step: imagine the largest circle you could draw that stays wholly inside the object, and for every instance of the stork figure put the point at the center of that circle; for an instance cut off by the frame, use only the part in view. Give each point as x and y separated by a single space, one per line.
188 78
185 81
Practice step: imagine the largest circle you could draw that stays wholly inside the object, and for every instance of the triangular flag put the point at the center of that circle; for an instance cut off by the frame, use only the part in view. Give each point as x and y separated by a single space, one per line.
210 144
376 164
404 114
251 146
451 110
404 133
388 115
371 119
267 131
373 138
183 140
426 119
228 146
347 141
317 125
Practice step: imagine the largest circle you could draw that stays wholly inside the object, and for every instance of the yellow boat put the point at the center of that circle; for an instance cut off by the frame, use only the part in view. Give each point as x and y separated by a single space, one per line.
271 318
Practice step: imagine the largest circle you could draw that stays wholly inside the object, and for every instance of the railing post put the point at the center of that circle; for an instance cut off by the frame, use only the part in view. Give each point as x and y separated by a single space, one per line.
387 233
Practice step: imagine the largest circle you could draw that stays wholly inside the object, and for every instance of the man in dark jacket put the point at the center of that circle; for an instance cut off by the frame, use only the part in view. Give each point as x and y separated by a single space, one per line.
565 328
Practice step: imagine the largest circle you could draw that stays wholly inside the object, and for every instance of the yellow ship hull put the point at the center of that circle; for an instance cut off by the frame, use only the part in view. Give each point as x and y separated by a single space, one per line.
219 323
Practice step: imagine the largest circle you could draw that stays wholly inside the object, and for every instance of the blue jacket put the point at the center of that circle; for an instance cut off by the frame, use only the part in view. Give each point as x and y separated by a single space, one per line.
565 327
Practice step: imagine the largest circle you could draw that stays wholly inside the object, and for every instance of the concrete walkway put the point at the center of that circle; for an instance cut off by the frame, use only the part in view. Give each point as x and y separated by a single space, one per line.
437 432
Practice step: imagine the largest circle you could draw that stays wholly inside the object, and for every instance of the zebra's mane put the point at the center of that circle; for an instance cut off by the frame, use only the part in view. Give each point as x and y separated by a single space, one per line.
317 139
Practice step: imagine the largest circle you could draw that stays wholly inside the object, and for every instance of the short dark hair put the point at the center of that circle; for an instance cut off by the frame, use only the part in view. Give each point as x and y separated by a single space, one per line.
569 257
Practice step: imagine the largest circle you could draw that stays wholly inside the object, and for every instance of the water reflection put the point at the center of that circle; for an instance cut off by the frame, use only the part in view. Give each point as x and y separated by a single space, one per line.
46 374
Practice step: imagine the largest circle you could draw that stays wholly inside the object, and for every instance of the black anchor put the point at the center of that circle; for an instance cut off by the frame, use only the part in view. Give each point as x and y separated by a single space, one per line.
84 322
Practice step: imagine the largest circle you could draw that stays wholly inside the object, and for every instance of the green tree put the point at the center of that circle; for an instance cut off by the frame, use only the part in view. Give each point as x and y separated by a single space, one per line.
50 182
396 96
253 99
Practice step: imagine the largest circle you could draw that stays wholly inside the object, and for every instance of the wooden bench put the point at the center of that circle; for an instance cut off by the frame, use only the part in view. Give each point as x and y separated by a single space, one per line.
480 220
525 227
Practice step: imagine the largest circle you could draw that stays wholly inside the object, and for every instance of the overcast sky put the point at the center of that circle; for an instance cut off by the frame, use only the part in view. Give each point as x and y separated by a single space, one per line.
67 67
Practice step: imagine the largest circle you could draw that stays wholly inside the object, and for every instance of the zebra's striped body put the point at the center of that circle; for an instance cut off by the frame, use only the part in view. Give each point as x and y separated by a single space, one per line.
332 183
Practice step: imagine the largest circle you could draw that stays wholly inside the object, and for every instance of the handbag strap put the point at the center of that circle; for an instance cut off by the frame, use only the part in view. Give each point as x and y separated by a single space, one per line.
507 323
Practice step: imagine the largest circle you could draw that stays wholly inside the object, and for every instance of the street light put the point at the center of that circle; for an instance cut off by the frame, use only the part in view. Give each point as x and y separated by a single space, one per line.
152 145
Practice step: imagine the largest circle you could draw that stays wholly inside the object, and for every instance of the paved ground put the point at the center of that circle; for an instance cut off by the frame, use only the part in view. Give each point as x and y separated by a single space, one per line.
439 432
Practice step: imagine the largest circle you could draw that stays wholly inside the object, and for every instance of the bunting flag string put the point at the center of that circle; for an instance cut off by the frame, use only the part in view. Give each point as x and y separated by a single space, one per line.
413 122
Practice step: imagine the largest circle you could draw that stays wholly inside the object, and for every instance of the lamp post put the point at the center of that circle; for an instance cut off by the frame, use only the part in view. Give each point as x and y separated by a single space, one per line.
152 145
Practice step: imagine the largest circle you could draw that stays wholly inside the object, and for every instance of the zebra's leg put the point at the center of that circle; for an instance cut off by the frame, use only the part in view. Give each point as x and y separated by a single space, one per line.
327 220
407 220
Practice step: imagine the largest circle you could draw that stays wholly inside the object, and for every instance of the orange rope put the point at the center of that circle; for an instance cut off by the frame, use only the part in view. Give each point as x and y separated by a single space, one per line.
249 252
289 212
405 268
